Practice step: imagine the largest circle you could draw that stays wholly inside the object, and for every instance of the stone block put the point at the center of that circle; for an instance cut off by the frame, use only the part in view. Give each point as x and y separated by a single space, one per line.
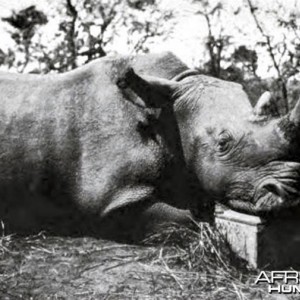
269 244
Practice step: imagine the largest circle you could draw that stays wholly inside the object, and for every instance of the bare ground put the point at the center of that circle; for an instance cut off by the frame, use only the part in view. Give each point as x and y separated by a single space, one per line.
177 263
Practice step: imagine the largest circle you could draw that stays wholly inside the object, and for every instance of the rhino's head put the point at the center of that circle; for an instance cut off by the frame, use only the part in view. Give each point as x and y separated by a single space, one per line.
240 156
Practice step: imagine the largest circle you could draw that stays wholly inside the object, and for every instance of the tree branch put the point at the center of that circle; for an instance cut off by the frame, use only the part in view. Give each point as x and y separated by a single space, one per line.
71 10
270 48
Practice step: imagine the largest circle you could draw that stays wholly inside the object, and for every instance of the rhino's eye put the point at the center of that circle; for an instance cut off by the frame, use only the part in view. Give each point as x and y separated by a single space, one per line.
224 142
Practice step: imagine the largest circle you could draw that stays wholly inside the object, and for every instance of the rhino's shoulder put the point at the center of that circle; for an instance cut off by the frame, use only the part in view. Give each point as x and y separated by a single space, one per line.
102 71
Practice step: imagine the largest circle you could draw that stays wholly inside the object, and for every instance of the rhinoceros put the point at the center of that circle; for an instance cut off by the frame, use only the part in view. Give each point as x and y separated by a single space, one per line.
125 143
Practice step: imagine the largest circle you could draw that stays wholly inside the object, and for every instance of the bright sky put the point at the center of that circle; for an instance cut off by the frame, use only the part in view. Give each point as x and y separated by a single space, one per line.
187 41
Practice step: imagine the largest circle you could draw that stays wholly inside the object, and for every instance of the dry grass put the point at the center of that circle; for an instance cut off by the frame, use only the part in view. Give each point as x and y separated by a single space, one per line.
177 263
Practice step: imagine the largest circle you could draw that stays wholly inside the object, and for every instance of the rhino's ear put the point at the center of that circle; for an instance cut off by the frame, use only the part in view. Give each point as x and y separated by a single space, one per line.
154 91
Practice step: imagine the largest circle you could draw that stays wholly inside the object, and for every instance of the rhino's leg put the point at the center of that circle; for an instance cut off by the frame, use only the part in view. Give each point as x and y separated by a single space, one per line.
154 217
127 211
135 222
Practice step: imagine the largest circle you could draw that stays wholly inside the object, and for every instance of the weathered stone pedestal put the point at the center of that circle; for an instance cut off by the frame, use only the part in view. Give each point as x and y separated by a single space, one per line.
268 244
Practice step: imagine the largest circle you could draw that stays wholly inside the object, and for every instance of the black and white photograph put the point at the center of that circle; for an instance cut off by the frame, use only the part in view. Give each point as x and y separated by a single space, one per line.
150 149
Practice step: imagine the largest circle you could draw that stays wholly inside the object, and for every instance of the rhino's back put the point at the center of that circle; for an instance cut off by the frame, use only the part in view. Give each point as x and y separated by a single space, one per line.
33 106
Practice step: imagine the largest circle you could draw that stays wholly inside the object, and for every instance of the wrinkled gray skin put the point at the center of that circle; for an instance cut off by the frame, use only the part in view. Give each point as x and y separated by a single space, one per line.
77 156
240 156
114 151
245 161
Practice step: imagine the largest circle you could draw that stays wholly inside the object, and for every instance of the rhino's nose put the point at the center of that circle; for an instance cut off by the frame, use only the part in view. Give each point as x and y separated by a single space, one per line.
275 189
283 189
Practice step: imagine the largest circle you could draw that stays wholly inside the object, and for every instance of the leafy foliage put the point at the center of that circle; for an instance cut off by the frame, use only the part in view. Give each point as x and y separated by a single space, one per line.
86 30
24 24
216 42
247 57
82 31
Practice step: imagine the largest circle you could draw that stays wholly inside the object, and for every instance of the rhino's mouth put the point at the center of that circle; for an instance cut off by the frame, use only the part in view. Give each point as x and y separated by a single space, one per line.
276 191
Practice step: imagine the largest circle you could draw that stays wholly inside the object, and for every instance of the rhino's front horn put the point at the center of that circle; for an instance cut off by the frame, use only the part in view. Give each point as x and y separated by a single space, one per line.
295 114
154 91
263 104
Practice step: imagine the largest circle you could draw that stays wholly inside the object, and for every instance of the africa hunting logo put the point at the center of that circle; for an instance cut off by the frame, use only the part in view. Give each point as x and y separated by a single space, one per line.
281 282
